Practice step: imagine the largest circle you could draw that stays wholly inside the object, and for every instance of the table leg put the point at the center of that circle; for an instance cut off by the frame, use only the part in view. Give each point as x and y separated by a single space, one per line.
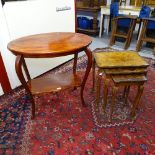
141 36
101 25
137 100
98 86
26 70
105 94
107 24
114 91
89 65
125 94
93 73
75 63
18 66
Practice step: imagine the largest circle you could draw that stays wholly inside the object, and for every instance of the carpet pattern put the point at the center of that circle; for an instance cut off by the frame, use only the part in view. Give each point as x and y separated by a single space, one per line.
63 126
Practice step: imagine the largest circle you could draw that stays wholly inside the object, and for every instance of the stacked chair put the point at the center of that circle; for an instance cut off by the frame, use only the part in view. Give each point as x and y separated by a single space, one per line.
122 25
144 13
148 25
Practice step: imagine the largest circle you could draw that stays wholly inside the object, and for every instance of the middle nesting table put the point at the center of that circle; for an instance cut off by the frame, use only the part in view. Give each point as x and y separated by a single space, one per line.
124 68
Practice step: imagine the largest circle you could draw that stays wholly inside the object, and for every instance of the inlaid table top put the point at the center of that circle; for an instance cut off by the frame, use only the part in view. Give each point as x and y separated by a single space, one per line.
49 44
123 59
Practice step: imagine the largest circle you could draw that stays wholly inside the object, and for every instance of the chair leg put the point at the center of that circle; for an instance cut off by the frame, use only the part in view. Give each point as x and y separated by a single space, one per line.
126 44
142 36
139 28
139 45
112 39
129 35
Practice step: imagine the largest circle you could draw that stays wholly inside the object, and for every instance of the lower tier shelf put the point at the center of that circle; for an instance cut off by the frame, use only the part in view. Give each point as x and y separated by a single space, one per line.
55 83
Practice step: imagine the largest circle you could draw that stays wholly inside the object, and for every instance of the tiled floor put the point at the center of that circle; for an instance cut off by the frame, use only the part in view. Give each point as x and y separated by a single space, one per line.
104 42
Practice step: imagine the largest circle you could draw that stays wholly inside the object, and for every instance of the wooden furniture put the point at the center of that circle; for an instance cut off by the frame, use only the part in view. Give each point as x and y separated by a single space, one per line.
4 80
141 2
123 2
124 69
105 12
89 8
51 45
94 11
127 81
148 23
128 24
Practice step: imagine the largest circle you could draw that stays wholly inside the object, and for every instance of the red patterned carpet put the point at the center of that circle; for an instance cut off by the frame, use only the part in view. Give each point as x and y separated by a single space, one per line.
63 127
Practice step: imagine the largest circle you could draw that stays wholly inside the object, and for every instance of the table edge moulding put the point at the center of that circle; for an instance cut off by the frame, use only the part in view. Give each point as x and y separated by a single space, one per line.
51 45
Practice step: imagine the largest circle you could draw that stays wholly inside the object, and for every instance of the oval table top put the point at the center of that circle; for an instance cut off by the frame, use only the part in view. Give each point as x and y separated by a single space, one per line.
49 44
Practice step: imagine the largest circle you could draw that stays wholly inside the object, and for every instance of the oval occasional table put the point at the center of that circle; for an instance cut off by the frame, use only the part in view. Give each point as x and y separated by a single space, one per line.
51 45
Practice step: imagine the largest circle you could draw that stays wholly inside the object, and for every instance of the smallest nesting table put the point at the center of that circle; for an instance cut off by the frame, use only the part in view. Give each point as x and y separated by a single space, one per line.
124 69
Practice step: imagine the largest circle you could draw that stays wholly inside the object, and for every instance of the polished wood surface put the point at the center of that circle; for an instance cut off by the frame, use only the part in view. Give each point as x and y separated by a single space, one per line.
51 45
123 59
124 71
129 78
127 81
124 68
57 82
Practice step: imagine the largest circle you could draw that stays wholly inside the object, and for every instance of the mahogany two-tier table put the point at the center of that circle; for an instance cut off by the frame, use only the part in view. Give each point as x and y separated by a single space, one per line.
50 45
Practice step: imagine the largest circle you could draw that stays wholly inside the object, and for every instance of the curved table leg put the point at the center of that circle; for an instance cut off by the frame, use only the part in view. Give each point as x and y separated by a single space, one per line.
75 65
89 65
93 73
18 67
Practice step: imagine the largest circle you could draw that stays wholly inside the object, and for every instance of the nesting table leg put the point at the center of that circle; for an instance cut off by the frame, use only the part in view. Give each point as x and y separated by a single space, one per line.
137 100
125 94
98 86
114 91
105 94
